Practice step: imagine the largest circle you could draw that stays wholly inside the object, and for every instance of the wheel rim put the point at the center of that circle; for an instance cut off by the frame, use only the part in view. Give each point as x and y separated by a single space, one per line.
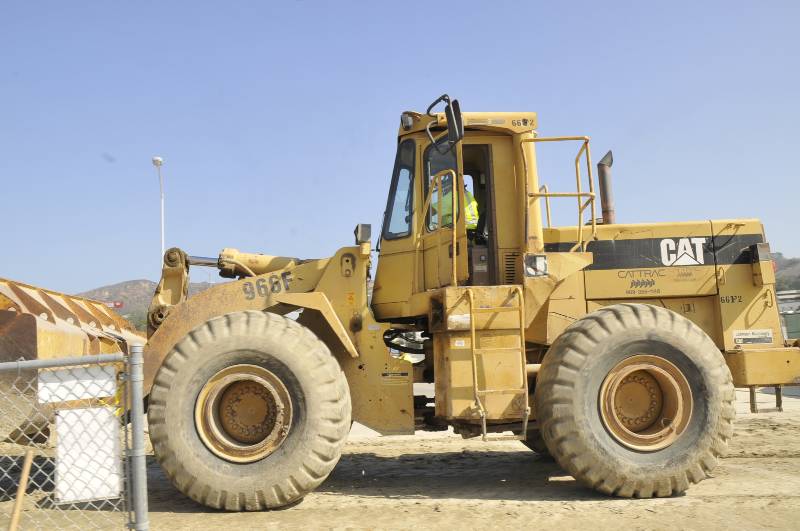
243 413
646 403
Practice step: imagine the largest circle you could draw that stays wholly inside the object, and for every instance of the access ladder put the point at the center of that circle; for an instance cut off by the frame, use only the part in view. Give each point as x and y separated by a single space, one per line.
475 333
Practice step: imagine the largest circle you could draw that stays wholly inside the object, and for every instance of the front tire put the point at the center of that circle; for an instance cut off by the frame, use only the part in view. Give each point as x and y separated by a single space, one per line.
249 411
635 400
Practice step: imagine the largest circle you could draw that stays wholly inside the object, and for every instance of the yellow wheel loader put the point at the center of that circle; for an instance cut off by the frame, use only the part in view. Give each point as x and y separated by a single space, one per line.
614 347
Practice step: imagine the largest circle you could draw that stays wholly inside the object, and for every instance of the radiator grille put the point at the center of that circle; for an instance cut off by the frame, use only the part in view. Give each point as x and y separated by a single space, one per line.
510 261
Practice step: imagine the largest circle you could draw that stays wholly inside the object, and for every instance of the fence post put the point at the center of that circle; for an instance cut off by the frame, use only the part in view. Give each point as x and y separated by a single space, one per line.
138 465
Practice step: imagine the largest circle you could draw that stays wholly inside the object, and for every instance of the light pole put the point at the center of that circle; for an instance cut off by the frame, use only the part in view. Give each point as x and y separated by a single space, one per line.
157 162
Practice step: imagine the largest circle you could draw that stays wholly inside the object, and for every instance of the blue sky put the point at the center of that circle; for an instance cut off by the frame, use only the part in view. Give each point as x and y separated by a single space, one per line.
277 121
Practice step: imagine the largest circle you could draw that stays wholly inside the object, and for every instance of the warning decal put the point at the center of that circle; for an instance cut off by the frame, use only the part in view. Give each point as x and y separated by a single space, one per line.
750 337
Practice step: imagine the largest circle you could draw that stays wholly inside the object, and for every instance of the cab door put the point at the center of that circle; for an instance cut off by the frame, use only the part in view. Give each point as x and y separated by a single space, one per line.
444 222
398 253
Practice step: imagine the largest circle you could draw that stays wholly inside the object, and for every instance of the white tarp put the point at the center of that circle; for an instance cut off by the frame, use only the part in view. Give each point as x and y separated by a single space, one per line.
88 455
77 383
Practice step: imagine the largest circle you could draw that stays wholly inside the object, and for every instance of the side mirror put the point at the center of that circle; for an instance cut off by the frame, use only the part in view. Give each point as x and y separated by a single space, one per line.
455 124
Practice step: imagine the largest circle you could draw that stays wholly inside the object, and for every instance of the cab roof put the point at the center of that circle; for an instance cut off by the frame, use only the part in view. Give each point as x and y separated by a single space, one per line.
509 122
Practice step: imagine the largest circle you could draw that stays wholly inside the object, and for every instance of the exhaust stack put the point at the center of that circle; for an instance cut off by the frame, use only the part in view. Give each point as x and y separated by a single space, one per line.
606 193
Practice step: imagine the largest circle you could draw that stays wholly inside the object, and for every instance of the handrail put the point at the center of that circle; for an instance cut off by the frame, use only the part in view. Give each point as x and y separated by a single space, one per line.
518 291
545 191
418 239
579 194
478 401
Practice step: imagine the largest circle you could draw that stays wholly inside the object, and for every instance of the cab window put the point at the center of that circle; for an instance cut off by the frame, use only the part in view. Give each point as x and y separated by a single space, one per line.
397 220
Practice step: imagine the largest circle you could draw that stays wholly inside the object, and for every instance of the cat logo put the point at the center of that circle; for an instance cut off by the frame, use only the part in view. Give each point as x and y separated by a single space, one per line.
682 252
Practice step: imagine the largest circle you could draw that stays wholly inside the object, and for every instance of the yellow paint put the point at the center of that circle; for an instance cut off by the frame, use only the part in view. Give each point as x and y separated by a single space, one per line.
422 282
764 366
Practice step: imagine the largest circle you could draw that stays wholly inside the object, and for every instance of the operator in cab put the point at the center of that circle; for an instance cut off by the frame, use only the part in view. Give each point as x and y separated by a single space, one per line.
471 208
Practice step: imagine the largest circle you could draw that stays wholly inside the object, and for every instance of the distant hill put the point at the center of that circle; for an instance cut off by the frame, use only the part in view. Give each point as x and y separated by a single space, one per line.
788 274
135 296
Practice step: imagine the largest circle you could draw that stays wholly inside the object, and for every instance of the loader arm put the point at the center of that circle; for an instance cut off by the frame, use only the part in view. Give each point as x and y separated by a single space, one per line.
332 296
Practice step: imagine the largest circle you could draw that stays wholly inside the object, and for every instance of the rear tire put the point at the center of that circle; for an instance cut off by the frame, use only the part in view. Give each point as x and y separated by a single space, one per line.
635 400
313 408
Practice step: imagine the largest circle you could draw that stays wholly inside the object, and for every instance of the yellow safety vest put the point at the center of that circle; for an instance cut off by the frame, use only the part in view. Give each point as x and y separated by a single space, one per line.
472 210
447 210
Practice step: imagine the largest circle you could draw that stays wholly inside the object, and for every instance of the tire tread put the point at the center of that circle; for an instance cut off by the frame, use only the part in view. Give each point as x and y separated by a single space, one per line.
555 408
320 454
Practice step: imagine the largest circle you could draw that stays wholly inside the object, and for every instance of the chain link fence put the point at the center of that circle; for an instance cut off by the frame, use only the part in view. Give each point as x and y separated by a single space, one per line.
72 443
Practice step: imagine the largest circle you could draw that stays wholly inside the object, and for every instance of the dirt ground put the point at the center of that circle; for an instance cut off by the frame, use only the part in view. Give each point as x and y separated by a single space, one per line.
440 481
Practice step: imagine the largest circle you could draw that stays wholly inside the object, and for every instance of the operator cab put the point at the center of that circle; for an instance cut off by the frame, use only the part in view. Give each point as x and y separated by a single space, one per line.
420 229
